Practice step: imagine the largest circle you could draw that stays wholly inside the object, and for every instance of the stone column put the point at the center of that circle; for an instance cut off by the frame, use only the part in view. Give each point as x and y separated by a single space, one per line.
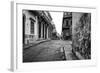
36 29
47 32
41 30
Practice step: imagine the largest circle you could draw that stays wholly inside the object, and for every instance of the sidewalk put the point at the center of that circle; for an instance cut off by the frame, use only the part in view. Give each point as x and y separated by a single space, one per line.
35 43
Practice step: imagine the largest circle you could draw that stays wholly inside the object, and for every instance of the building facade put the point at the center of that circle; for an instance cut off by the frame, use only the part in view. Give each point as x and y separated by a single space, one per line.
67 26
37 25
82 34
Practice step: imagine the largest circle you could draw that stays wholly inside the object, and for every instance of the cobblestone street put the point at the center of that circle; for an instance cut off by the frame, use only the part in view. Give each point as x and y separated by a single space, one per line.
49 51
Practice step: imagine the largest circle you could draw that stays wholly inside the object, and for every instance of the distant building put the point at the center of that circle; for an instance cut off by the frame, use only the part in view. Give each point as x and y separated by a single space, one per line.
37 25
67 26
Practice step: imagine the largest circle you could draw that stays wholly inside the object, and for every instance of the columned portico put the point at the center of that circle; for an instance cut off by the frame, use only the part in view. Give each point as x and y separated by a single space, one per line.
44 28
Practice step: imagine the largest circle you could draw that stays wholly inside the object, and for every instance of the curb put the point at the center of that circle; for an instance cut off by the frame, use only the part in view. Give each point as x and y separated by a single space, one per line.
36 44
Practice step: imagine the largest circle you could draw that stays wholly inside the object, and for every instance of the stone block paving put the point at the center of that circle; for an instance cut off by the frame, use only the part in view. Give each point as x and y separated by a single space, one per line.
49 51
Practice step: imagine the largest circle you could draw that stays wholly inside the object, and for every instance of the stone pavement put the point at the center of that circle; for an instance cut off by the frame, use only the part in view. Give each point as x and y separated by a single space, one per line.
49 51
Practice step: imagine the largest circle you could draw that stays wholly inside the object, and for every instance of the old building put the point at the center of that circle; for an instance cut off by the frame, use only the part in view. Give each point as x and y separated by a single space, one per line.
37 25
81 30
67 26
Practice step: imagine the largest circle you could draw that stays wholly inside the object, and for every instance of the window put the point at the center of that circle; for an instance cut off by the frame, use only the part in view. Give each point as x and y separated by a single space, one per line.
70 22
32 25
66 22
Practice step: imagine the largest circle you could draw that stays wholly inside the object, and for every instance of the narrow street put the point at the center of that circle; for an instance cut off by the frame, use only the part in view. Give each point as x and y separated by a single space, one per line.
49 51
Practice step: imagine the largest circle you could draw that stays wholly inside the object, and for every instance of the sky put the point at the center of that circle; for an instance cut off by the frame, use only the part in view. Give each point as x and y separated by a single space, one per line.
57 19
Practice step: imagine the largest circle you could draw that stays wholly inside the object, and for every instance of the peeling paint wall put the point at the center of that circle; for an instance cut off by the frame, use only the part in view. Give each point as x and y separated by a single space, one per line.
81 31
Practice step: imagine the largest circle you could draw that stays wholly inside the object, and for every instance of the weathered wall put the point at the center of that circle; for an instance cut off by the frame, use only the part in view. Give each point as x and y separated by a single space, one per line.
28 27
81 29
75 20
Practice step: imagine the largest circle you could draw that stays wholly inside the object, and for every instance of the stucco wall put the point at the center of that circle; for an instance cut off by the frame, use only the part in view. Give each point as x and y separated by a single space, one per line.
28 27
75 20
